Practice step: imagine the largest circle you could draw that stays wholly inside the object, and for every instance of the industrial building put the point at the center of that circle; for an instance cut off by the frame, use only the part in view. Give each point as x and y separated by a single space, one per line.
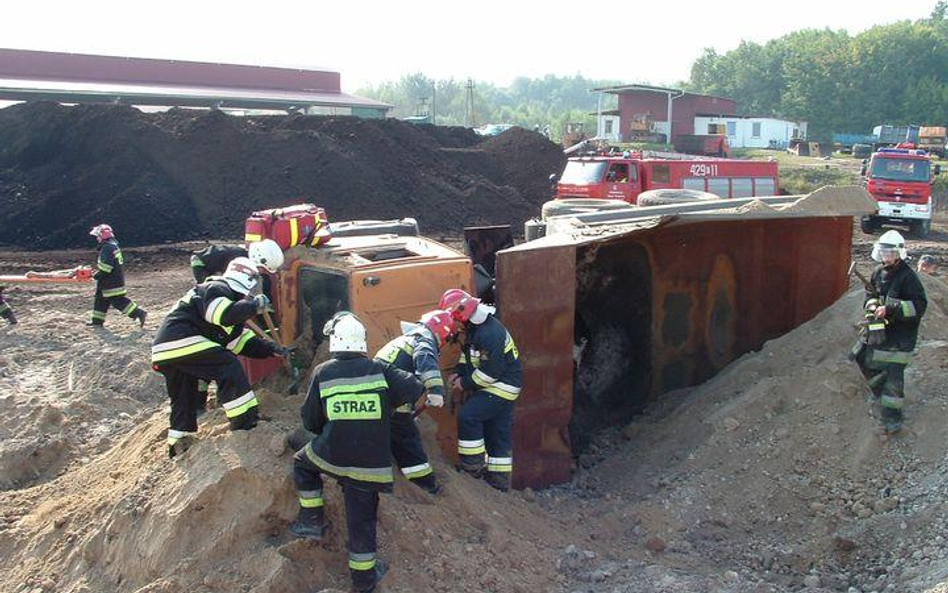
80 78
672 112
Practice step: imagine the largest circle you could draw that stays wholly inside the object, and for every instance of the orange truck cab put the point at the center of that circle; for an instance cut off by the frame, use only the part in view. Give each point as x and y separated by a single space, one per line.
624 178
385 279
900 180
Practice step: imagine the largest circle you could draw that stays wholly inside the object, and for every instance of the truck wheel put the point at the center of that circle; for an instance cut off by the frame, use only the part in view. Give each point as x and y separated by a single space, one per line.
868 225
668 197
580 206
922 228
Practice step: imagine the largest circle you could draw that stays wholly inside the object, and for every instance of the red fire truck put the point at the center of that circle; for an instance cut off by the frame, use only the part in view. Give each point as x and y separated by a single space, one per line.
625 177
900 179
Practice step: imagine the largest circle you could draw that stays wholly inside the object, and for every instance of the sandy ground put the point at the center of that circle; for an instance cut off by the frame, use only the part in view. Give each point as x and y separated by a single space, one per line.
772 476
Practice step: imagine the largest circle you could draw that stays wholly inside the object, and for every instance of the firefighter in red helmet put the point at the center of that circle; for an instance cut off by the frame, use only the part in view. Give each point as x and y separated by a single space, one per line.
491 372
418 352
110 280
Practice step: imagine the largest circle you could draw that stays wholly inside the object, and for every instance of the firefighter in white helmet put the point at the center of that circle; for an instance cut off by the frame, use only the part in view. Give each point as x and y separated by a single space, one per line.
109 278
349 407
213 261
896 299
200 340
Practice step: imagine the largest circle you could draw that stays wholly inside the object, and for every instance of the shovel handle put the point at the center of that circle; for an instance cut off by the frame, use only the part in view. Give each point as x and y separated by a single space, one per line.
273 329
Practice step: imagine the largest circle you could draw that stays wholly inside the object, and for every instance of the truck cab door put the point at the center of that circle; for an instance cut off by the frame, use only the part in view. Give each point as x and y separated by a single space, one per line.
622 182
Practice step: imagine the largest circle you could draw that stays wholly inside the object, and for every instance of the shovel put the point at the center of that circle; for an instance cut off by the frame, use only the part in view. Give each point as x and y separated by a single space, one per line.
294 387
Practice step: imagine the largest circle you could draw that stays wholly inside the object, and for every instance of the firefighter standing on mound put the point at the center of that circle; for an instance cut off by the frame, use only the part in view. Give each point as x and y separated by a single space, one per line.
110 280
200 340
490 370
213 260
894 304
349 405
418 352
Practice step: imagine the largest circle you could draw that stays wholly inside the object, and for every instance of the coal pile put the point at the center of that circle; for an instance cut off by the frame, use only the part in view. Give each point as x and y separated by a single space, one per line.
185 174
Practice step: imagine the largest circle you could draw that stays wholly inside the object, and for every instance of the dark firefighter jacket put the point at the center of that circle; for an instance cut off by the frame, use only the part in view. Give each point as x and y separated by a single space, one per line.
490 360
213 260
210 315
905 302
416 352
109 276
350 403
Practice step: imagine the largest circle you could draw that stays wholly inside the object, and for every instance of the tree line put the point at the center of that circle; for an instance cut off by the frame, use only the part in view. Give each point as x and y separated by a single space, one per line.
896 73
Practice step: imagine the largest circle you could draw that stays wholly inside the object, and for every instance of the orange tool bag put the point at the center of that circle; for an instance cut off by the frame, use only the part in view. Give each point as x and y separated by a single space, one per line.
303 224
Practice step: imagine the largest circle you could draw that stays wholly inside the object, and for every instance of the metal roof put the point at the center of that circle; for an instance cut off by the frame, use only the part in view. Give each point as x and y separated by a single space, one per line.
631 88
78 78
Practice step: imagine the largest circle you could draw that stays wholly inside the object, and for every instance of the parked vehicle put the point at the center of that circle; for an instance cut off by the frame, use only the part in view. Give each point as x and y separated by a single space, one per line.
625 177
900 180
933 139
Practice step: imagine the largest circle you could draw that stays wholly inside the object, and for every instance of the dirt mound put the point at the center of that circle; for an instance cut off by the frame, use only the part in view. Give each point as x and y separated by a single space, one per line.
773 476
183 174
89 501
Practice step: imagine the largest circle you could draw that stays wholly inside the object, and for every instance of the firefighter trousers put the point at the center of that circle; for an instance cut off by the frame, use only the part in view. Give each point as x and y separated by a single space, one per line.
233 391
885 371
362 507
484 425
101 304
408 451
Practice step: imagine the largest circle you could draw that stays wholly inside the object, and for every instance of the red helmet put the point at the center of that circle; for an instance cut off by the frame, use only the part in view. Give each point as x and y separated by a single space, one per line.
102 232
441 324
460 304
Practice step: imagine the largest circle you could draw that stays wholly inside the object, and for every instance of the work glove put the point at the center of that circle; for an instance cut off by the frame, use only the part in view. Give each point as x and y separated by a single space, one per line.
262 302
434 400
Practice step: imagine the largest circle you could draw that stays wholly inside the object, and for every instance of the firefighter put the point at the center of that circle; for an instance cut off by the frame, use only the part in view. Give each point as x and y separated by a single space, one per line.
5 310
110 280
418 352
928 265
490 370
896 298
349 405
213 261
200 339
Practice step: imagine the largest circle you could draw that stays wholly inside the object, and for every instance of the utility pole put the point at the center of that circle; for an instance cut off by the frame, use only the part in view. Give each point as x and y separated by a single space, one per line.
470 103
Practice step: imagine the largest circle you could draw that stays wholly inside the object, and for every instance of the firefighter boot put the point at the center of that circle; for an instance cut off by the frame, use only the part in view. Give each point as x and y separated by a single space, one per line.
140 314
891 420
245 421
381 567
180 446
428 483
498 480
9 316
472 465
310 524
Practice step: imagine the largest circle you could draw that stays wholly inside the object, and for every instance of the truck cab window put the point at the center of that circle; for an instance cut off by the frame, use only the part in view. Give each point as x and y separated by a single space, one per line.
618 173
322 293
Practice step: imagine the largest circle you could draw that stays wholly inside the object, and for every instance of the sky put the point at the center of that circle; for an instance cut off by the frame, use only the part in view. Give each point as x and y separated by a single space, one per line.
489 40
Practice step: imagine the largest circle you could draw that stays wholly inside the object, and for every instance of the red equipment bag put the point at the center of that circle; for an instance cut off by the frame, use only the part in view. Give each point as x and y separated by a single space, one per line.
303 224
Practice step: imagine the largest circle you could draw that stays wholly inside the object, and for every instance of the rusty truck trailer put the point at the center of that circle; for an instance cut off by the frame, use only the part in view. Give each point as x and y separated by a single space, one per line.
612 309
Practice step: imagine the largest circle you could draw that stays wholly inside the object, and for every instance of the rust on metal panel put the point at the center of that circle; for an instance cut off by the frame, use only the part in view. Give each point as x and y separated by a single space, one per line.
717 289
536 301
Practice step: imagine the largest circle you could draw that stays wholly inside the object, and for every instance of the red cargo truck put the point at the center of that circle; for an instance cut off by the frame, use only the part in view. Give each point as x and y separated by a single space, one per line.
625 177
900 179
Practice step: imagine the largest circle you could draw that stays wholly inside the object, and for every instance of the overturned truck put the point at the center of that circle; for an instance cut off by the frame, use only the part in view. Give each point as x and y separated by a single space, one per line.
609 310
614 308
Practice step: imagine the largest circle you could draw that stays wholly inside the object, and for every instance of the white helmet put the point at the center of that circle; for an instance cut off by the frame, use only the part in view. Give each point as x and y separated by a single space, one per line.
266 254
346 333
241 275
889 241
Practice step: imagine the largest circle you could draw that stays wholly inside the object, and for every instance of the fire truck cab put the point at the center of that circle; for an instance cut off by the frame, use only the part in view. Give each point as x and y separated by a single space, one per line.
624 178
900 180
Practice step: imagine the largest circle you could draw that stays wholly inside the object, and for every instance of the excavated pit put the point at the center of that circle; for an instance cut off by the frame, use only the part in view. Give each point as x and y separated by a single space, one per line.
612 353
